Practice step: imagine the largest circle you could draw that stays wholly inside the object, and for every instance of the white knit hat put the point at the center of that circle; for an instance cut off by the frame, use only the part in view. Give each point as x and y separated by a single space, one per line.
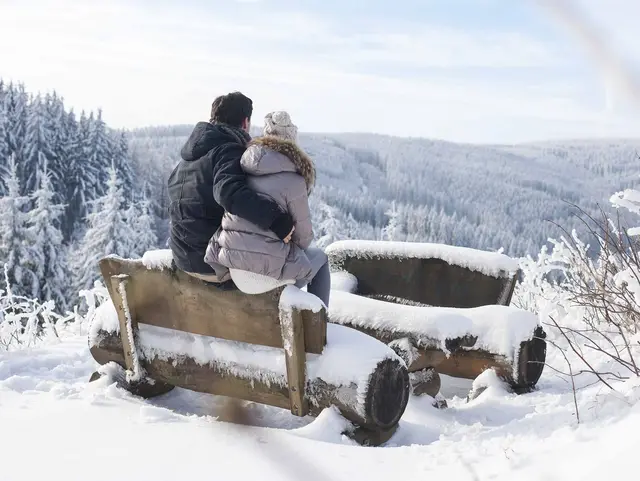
279 124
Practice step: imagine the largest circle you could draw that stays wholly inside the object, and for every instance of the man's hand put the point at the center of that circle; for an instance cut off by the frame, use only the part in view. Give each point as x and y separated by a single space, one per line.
283 226
288 238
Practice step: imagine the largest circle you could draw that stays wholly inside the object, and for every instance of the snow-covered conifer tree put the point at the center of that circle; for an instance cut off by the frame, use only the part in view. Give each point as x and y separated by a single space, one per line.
88 166
99 149
37 151
393 230
4 149
16 107
46 249
352 227
122 162
328 228
107 233
74 174
14 236
59 140
140 221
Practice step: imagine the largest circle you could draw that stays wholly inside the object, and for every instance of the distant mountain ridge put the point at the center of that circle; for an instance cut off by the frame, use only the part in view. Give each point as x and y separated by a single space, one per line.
474 195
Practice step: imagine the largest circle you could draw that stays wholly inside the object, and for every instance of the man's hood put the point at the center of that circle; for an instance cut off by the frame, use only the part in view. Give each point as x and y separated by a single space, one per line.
206 136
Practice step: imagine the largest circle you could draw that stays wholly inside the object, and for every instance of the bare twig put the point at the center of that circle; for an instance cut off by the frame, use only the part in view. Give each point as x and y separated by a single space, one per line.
571 376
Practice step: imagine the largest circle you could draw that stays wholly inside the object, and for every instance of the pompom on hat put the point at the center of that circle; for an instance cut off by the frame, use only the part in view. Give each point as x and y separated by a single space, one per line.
279 124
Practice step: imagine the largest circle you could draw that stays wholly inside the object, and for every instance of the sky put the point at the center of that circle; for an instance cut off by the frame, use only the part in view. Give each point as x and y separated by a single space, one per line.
481 71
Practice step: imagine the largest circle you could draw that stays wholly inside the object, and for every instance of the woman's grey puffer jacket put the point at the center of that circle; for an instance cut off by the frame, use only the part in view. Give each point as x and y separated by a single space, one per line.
279 169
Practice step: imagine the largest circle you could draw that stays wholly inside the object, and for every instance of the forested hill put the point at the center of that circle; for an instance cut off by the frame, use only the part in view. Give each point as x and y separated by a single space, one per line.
425 190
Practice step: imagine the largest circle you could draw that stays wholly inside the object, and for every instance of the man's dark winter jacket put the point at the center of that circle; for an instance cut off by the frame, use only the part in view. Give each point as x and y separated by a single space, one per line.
207 181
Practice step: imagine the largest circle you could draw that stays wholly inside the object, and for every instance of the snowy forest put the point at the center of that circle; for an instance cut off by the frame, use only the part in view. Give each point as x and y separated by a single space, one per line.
68 196
73 190
513 197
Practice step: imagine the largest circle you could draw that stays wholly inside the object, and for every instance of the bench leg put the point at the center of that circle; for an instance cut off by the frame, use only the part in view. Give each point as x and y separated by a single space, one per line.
135 379
292 326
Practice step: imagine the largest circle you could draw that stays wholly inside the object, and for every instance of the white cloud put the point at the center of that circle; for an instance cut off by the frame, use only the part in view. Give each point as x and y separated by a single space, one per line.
162 65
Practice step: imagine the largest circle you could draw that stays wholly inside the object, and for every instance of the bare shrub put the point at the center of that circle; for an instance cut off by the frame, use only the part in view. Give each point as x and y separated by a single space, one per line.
589 301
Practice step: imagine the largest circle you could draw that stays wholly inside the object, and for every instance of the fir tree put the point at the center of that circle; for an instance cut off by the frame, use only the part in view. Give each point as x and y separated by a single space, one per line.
107 233
37 147
4 150
46 250
14 236
59 140
327 226
73 156
99 155
393 230
84 175
123 162
16 105
140 220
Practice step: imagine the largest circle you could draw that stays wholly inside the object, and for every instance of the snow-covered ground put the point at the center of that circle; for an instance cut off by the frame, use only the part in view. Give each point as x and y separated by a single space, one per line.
55 425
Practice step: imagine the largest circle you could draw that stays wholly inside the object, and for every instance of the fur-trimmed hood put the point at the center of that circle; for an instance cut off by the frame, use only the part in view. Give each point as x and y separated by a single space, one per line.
270 155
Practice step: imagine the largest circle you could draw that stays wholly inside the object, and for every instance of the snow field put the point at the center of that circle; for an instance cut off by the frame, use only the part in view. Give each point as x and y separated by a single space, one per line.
97 431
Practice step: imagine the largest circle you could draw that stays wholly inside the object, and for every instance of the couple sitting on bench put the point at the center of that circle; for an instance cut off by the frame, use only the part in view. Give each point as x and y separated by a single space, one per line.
239 207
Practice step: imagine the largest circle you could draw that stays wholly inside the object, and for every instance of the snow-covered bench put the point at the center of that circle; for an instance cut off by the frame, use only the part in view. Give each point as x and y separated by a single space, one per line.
165 328
424 273
441 307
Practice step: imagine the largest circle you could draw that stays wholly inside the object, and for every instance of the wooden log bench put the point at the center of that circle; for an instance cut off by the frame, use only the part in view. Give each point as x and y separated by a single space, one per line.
418 298
169 329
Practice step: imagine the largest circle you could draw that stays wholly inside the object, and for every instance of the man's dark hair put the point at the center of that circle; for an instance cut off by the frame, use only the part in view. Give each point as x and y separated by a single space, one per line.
231 109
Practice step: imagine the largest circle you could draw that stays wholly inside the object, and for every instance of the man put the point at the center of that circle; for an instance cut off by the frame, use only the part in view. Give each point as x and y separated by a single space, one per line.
209 180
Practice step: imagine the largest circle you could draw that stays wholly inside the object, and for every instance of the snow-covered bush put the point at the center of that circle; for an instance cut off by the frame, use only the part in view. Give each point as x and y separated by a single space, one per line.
590 303
24 321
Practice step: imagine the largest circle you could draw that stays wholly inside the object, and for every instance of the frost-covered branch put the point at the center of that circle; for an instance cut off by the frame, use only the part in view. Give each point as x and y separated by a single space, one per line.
24 321
592 299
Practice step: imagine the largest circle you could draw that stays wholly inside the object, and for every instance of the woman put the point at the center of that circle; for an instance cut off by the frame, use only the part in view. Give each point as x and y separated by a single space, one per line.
278 168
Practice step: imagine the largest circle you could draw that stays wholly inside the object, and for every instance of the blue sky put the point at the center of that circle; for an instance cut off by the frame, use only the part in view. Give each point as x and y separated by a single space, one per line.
462 70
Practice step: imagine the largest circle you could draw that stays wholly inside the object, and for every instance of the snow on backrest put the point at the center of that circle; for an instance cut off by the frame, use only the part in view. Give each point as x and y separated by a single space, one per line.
489 263
158 259
252 283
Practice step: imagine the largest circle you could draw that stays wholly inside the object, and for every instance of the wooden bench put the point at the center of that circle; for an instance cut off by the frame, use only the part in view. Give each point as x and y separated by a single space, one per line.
175 330
431 276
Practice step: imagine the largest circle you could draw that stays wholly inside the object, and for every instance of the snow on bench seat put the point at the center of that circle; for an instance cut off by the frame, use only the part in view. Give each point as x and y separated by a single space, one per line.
499 329
348 359
489 263
252 283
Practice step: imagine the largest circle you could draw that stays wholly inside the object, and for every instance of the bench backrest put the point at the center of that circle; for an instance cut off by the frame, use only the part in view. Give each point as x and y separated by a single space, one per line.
172 299
409 272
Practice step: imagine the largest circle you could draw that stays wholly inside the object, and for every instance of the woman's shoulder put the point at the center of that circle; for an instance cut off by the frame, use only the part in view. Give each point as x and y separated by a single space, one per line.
301 163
